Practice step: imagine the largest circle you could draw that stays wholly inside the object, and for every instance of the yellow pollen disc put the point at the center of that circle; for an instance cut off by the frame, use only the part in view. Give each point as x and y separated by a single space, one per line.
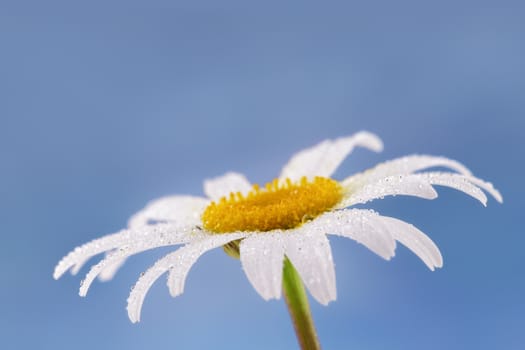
278 205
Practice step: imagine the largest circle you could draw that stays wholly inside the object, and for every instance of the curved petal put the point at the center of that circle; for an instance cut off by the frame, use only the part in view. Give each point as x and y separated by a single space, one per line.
487 186
153 237
224 185
179 264
407 185
458 182
183 209
310 253
404 165
78 257
111 269
415 240
182 262
173 209
262 258
324 158
363 226
419 185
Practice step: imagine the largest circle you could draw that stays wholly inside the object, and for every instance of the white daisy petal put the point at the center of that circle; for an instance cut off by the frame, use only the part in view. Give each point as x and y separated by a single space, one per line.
182 262
404 165
179 264
182 209
407 185
262 260
363 226
487 186
324 158
74 269
224 185
415 240
310 253
177 209
153 237
281 208
110 261
109 271
78 257
417 162
458 182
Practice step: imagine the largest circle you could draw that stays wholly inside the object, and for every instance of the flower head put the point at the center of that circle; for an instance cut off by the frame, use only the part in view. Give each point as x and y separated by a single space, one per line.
288 217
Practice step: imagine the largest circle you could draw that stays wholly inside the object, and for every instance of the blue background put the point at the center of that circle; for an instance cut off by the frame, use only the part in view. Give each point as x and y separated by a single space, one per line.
107 105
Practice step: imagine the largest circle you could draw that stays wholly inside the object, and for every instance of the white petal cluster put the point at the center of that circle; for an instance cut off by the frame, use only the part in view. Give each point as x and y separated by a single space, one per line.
176 220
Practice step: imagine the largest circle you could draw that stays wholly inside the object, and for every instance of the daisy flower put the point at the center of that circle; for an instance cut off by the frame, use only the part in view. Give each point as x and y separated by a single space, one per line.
279 231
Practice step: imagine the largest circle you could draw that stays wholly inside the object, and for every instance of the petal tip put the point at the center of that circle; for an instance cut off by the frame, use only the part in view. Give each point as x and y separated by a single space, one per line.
371 140
328 299
497 196
432 193
436 265
133 318
134 309
269 297
174 292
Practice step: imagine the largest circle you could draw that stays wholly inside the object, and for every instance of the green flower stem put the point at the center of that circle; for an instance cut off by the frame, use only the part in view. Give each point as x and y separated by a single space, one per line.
298 307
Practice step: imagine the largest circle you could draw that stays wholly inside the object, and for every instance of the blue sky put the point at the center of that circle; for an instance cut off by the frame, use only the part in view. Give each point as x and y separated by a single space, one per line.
108 105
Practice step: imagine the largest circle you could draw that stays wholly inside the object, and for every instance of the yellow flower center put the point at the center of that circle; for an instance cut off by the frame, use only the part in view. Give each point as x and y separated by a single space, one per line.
279 205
